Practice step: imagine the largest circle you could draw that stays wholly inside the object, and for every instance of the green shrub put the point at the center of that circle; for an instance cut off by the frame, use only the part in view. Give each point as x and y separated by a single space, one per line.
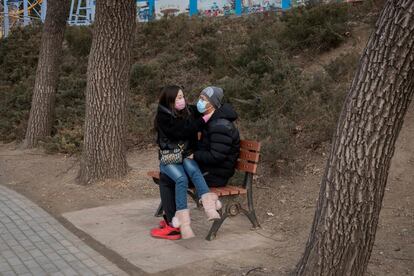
79 39
317 28
68 140
142 72
205 51
18 62
14 110
249 57
140 123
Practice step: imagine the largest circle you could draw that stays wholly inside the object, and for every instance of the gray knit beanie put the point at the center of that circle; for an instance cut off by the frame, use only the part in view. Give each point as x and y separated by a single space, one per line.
214 95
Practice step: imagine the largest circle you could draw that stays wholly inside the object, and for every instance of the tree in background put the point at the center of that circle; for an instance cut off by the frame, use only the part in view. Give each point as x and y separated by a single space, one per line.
107 89
47 73
352 189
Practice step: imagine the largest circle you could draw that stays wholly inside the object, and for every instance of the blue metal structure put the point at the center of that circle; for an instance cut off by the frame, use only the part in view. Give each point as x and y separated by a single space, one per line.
151 7
239 7
286 4
193 7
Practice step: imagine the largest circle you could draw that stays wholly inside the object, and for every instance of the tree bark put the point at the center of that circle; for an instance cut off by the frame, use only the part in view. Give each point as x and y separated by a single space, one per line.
107 92
352 189
47 73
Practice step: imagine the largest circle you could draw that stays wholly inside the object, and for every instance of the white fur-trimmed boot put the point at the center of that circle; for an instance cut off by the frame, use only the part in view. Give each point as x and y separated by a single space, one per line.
182 220
211 204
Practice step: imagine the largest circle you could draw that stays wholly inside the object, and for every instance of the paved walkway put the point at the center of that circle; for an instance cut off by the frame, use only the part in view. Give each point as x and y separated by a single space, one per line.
34 243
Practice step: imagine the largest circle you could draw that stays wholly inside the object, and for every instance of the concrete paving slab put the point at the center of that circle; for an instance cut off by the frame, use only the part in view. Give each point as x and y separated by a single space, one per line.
125 228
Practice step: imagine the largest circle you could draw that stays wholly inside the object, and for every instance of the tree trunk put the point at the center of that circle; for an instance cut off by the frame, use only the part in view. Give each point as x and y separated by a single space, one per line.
107 92
43 99
352 189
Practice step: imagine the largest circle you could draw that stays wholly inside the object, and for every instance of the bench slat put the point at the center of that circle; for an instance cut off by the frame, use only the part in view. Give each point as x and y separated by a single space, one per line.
228 190
154 174
250 145
249 156
225 190
231 190
246 167
219 191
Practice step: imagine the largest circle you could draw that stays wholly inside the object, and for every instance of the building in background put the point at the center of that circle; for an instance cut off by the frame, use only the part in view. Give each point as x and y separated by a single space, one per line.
82 12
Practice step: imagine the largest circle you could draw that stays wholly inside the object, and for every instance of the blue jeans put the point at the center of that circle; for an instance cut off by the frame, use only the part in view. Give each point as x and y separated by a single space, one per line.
178 173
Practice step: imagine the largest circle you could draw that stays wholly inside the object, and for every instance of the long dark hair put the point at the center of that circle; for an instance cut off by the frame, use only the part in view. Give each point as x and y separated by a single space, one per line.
167 99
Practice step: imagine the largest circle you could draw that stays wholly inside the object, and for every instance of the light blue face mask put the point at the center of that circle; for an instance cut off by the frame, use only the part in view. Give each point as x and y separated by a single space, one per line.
201 106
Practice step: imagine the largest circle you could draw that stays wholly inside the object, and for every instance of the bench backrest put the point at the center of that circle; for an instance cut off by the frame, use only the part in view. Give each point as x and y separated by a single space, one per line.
249 156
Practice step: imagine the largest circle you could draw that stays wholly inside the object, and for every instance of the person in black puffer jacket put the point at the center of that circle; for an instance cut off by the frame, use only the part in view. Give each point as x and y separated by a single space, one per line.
218 150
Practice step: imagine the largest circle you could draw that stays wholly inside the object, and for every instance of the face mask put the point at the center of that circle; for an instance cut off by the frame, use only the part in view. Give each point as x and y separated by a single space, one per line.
201 106
180 104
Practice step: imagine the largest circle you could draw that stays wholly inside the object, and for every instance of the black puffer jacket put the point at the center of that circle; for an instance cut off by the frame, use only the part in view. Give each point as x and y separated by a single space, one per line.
173 130
219 147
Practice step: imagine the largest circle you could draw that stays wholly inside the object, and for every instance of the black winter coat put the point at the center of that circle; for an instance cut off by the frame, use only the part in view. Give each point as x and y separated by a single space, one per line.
173 130
219 147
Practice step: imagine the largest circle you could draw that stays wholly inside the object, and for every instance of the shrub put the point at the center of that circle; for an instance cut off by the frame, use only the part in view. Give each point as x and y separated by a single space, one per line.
249 57
317 28
18 61
142 72
205 51
79 40
69 140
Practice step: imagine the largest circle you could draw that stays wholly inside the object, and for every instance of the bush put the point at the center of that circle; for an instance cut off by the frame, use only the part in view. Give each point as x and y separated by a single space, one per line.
68 141
79 40
142 72
205 51
249 57
18 62
18 56
317 28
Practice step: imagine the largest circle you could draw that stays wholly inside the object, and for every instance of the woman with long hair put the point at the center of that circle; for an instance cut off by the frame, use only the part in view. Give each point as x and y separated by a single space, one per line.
177 125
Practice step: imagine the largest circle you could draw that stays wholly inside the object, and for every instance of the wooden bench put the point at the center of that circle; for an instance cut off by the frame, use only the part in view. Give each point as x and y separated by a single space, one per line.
247 163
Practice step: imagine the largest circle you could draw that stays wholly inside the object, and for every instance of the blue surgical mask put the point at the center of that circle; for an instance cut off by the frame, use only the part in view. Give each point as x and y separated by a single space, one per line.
201 106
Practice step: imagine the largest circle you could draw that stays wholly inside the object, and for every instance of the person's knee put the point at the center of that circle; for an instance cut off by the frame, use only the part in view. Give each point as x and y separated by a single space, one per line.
182 180
191 169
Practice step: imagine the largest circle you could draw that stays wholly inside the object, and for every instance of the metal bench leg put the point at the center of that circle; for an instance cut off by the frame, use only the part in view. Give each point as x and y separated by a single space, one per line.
216 226
251 215
159 211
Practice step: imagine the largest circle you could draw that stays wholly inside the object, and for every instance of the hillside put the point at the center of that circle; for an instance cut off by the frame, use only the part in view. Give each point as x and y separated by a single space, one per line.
265 63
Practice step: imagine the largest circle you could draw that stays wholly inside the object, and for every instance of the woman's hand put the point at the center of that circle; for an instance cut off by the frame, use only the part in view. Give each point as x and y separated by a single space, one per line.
191 156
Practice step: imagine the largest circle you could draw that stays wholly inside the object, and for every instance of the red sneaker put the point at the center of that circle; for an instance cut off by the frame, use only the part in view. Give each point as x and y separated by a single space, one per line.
168 233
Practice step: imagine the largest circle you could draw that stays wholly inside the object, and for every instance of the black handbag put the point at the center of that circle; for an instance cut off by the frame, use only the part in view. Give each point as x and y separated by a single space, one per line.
172 156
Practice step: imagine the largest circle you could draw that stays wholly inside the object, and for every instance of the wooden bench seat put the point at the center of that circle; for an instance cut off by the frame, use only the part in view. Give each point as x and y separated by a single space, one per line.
220 191
247 163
